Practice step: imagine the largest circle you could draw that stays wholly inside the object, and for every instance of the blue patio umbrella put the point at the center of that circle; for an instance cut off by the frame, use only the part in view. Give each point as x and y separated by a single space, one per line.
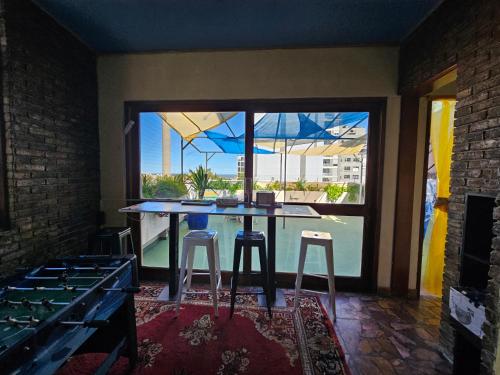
232 145
300 128
311 126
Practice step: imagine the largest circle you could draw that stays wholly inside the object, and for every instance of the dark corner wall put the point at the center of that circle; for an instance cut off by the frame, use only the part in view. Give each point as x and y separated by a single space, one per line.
465 33
49 105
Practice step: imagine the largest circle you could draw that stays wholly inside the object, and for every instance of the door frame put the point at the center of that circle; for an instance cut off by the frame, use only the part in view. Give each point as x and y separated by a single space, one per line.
370 210
427 135
405 185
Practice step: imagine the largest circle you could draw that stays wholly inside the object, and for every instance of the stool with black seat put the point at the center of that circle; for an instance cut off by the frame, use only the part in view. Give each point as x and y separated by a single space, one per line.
109 240
247 240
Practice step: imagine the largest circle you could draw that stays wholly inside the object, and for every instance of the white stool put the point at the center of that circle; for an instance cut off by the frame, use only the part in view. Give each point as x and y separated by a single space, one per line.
208 239
320 239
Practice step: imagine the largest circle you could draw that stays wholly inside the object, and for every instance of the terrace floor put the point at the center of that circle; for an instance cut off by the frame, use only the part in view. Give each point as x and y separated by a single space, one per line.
347 232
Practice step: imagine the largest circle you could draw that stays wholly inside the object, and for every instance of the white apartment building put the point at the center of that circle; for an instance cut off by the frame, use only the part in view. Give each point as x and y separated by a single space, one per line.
271 167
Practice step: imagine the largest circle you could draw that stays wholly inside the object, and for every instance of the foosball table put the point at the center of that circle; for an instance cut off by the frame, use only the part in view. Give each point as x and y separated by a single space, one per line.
66 307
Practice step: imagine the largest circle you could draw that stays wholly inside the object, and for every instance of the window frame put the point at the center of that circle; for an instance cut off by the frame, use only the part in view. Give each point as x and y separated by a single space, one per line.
370 209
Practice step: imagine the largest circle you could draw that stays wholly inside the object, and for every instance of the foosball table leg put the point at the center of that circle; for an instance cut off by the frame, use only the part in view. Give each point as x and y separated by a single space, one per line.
131 331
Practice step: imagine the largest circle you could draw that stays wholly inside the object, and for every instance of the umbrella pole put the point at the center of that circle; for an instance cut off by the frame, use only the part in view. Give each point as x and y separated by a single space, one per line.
281 168
182 158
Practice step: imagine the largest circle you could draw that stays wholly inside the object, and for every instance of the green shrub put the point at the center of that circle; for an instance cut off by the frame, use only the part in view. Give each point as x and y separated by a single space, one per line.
218 183
148 186
333 192
234 187
169 187
256 186
275 185
300 185
352 192
313 187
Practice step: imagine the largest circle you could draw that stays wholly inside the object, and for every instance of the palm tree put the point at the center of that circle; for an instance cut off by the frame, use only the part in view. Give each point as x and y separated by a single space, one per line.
300 185
199 180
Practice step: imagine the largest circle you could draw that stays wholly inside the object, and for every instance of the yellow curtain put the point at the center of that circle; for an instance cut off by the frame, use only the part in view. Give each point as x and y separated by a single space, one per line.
441 139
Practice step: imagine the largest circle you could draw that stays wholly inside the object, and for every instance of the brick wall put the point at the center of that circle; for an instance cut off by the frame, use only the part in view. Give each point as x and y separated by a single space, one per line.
465 33
50 117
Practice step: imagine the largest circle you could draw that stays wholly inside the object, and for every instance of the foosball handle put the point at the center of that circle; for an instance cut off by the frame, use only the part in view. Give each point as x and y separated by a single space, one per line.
132 290
96 323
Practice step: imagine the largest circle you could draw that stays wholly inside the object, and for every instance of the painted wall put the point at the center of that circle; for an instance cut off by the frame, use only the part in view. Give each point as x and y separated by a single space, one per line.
293 73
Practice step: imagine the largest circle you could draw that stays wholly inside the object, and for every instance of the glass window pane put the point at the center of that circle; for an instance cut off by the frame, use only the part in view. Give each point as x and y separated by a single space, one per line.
190 155
347 234
312 157
156 253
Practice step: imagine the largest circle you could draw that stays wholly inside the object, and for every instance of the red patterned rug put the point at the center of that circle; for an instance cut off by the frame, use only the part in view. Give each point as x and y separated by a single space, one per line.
196 342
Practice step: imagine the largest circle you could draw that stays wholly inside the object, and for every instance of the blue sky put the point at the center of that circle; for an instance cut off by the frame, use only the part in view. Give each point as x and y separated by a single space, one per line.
151 147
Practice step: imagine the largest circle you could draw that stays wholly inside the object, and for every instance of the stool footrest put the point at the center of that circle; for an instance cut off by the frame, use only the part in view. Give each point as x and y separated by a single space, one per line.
253 273
316 275
194 292
249 293
314 291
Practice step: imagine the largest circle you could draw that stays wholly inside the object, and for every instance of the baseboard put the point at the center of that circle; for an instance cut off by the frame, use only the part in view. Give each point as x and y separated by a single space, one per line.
387 292
413 294
384 291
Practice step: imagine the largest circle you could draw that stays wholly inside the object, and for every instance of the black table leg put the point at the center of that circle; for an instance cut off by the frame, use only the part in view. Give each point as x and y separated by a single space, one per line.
247 254
271 255
173 254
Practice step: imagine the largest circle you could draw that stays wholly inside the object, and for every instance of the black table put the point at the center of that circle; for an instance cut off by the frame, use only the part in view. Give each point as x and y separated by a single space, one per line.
174 209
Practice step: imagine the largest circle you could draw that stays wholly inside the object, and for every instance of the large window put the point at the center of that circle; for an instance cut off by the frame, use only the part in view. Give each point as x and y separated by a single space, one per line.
328 160
302 157
178 151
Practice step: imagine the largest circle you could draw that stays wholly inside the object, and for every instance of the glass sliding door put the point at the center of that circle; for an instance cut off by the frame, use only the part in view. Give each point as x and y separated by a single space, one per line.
316 158
323 153
175 147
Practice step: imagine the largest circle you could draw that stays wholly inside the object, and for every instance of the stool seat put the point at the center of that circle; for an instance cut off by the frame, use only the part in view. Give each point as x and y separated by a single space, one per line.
309 234
209 240
244 235
110 240
203 235
325 240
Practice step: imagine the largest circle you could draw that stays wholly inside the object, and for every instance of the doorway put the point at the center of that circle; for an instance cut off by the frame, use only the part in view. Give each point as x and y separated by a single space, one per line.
437 192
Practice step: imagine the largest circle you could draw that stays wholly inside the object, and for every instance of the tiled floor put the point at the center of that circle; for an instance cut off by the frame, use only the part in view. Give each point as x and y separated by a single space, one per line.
390 336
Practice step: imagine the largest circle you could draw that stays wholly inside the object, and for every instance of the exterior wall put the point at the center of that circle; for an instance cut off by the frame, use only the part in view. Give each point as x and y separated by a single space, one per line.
267 167
267 74
313 166
50 117
465 33
153 227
